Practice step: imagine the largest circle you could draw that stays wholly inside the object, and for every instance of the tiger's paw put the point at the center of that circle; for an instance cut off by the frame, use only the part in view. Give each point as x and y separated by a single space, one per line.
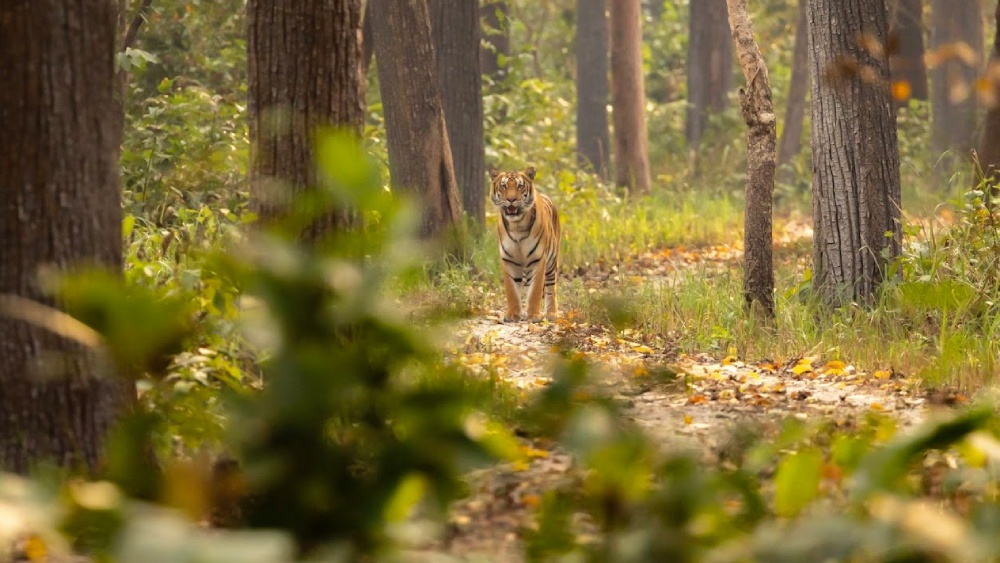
511 318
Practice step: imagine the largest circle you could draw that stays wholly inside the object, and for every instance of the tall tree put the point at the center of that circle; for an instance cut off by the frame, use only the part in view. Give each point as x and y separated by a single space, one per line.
757 106
496 47
989 147
592 136
906 63
855 151
455 29
956 41
60 205
304 60
628 97
795 111
420 159
709 64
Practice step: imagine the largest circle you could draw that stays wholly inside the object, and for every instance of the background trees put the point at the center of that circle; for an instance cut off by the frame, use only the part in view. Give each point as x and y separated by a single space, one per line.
456 32
592 136
305 65
60 207
709 65
420 160
954 23
855 152
906 34
628 97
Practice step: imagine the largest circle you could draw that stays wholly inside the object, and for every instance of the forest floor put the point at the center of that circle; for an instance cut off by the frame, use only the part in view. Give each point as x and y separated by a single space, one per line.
699 403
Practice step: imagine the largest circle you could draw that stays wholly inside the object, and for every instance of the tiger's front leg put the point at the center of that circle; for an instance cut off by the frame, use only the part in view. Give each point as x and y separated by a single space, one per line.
513 292
535 297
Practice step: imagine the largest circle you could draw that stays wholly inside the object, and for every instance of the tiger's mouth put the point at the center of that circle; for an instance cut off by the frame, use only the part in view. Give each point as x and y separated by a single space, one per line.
511 210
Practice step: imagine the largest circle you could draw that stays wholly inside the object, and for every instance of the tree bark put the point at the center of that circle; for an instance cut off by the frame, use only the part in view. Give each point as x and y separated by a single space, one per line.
953 108
795 112
907 62
710 65
455 28
592 136
989 152
60 206
304 59
496 48
367 43
628 97
420 159
855 152
757 106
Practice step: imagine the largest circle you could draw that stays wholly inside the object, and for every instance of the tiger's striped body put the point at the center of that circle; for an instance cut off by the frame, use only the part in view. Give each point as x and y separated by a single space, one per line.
528 233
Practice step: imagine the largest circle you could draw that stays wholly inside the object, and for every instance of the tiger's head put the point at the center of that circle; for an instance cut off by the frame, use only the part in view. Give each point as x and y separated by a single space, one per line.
513 193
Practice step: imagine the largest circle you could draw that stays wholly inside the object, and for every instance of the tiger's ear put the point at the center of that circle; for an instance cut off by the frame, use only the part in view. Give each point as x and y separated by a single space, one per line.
494 173
530 172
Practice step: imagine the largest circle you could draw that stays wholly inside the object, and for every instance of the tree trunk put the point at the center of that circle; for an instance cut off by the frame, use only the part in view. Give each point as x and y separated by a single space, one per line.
907 62
592 136
855 152
496 48
455 28
953 107
367 43
419 150
628 97
989 152
709 63
304 60
60 206
791 134
758 112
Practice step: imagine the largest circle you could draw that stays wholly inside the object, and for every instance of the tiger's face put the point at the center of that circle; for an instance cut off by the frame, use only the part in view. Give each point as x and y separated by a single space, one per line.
513 193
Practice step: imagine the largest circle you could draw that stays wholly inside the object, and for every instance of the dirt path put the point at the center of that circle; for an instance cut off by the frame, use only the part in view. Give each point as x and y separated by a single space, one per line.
695 403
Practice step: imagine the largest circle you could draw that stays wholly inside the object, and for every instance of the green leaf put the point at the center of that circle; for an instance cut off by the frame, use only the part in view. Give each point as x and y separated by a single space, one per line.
407 494
797 482
128 225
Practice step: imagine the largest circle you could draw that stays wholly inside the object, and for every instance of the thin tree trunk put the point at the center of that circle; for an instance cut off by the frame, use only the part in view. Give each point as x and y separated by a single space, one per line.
758 111
989 153
856 190
455 28
795 112
710 65
367 43
628 97
420 159
592 136
60 206
128 29
953 106
907 63
496 46
304 61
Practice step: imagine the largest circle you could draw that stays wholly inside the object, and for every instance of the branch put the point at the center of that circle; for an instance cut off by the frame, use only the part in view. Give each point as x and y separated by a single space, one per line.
133 28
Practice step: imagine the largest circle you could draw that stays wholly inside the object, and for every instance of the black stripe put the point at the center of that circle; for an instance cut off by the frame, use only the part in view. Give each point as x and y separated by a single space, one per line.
518 264
534 213
533 262
547 284
515 280
537 242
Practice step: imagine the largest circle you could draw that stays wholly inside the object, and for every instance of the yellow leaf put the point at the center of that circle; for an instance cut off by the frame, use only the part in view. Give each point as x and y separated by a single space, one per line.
640 371
801 368
834 364
882 374
728 360
531 500
688 419
643 349
901 90
519 465
877 406
34 548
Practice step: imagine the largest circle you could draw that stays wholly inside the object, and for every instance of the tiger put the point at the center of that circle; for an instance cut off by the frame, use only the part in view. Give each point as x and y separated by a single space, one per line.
529 235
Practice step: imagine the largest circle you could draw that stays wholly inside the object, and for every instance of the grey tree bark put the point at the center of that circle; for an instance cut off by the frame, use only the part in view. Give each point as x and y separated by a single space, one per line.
757 105
795 111
709 63
304 60
456 33
989 147
628 97
495 14
60 206
907 62
592 135
953 107
420 159
855 152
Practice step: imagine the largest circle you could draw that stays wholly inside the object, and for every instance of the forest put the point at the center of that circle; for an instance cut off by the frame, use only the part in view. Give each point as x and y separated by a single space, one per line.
271 281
